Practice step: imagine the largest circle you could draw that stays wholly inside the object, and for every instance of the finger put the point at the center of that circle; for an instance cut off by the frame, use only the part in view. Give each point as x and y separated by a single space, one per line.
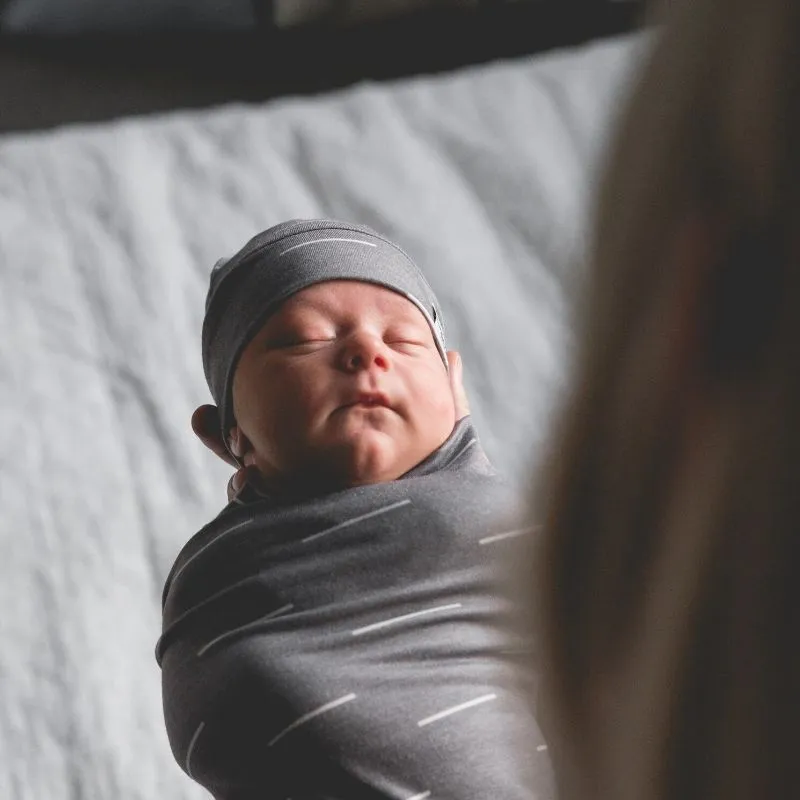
206 426
237 482
246 476
231 490
457 384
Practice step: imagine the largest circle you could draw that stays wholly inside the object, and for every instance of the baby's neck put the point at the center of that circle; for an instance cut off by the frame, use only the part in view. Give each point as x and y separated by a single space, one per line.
296 488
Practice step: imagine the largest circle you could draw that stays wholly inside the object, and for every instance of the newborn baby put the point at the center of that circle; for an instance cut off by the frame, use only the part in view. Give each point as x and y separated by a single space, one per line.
343 630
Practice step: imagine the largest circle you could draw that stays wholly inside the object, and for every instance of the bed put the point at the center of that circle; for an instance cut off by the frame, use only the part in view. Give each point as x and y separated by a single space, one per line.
107 236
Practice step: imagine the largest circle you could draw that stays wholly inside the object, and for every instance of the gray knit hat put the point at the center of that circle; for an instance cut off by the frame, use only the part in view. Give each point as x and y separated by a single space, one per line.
279 262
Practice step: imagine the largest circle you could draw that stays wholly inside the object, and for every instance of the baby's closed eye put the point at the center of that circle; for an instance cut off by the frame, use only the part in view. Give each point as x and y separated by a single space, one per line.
406 337
407 344
297 336
301 341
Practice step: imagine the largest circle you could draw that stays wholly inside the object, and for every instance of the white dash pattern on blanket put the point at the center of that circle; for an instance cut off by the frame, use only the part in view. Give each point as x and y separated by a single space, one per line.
244 628
403 617
499 537
311 714
190 749
209 544
421 796
455 709
353 521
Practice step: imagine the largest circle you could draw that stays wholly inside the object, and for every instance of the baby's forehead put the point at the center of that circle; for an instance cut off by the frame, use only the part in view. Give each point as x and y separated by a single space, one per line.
352 297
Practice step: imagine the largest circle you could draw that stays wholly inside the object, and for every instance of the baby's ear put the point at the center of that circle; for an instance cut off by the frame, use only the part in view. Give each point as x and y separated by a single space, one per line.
206 425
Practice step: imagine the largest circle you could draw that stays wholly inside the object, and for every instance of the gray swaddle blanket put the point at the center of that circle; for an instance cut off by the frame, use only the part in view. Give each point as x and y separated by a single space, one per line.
360 645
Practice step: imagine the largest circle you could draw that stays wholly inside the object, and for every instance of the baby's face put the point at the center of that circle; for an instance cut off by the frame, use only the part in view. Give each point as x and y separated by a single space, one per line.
343 386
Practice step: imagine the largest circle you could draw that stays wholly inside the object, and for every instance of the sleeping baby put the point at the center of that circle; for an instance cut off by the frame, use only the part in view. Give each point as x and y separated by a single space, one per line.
344 629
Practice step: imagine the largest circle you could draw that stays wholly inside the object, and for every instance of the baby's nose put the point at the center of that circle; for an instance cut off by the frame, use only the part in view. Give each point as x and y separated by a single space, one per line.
365 353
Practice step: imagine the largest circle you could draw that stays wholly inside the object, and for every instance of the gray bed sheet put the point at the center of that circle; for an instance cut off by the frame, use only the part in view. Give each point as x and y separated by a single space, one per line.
107 237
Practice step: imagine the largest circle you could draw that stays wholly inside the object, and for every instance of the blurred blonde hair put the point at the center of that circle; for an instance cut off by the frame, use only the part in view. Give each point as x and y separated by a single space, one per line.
668 586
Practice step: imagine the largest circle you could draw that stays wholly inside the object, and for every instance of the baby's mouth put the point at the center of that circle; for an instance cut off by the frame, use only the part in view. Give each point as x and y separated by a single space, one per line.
370 400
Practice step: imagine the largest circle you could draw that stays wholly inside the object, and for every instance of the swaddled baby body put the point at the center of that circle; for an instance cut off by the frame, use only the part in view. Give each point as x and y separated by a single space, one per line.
345 629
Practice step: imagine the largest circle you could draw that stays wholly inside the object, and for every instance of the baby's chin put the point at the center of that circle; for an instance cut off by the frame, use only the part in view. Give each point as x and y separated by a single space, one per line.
374 458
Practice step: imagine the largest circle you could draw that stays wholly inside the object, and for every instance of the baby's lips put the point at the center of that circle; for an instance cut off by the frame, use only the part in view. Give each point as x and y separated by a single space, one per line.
371 399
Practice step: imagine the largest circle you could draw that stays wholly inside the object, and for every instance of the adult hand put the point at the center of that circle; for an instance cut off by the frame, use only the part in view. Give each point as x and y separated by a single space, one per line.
457 384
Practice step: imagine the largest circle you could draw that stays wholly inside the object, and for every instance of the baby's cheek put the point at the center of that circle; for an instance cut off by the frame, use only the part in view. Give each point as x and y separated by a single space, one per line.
440 397
436 413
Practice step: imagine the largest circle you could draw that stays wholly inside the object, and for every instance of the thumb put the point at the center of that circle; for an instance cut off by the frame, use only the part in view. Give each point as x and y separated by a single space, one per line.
241 478
457 384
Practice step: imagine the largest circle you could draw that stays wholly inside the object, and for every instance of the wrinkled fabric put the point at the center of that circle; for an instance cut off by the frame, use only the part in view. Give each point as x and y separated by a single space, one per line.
107 233
359 645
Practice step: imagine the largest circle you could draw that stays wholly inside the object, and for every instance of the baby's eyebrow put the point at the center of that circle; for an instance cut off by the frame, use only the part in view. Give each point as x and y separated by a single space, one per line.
298 311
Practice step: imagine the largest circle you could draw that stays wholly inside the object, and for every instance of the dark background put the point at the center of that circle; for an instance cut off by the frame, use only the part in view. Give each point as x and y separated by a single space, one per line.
51 81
